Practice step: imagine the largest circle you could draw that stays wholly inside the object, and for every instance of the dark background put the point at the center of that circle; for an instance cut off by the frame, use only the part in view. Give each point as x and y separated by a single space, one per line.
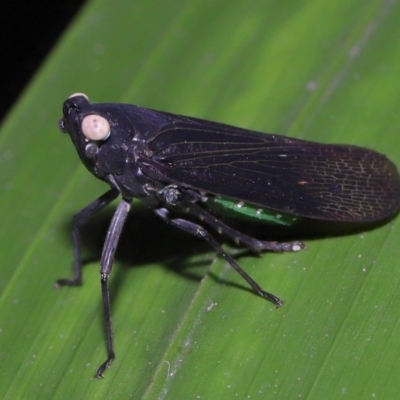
29 30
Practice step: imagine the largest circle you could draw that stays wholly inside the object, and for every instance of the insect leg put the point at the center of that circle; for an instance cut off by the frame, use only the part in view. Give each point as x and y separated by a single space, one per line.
238 237
199 231
78 221
106 263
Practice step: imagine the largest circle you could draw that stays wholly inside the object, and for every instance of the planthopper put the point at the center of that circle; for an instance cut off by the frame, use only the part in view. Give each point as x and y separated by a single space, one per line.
191 171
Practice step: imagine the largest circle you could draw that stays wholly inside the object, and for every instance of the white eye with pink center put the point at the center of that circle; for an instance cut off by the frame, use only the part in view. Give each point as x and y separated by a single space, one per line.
95 127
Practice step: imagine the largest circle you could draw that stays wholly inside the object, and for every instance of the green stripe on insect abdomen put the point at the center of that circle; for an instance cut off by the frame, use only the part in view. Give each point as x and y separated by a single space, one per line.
248 211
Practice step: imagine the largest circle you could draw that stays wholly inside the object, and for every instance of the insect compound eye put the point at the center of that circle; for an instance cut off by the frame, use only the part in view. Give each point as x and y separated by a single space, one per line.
95 127
91 150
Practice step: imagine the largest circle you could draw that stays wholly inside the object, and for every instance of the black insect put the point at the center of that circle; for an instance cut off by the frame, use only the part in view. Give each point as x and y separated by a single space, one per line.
179 165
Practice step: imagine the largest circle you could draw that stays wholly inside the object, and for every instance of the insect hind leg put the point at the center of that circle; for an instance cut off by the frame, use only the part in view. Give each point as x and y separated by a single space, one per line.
240 238
198 231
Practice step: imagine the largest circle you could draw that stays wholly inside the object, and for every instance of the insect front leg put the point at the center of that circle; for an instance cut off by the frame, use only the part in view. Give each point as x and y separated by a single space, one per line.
106 263
78 221
199 231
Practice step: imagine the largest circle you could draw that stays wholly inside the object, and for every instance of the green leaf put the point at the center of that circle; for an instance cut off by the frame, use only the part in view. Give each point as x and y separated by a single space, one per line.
314 70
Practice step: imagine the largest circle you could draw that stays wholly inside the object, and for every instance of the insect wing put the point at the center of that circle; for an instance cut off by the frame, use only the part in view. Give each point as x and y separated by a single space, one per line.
332 182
